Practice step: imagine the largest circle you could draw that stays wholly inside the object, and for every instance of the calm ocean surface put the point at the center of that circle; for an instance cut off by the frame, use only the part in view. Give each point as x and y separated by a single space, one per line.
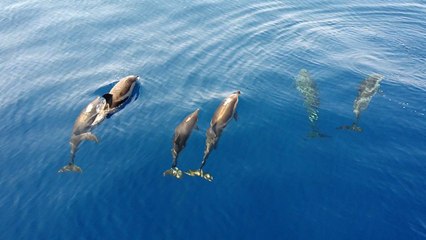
271 180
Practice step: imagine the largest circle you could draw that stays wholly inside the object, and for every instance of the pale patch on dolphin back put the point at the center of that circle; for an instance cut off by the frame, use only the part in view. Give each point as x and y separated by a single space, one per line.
227 101
89 108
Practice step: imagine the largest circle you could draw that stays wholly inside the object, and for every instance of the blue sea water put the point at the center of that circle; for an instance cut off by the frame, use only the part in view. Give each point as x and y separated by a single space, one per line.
271 180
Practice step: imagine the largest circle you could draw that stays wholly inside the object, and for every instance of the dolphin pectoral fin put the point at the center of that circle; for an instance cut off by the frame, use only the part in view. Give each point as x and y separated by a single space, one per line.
101 116
71 167
174 171
89 136
200 173
236 116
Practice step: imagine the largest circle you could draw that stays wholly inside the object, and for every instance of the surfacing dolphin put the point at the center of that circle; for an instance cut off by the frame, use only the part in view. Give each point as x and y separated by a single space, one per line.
366 91
222 116
181 135
120 93
307 87
82 127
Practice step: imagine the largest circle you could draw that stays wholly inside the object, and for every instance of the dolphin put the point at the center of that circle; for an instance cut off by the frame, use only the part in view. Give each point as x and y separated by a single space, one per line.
181 135
82 127
308 89
120 93
367 89
222 116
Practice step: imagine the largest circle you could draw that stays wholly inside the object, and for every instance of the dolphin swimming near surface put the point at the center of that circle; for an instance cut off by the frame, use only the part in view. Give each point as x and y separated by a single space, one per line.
120 93
82 127
181 135
367 89
307 87
222 116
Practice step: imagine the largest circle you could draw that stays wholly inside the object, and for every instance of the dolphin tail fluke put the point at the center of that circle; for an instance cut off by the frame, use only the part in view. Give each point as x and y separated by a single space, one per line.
71 167
200 173
353 127
174 171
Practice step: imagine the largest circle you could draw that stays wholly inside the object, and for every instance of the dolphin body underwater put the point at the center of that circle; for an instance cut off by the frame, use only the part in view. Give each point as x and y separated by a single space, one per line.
222 116
82 127
181 135
367 89
308 89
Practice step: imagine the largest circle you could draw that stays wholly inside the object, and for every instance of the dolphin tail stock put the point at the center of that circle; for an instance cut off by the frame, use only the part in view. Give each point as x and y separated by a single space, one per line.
70 167
200 173
174 171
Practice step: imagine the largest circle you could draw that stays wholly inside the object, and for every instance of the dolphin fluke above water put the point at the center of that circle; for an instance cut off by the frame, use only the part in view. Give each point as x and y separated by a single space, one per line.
180 137
367 89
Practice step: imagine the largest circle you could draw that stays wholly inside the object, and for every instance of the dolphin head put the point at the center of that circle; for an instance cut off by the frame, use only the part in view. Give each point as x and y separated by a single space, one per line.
132 78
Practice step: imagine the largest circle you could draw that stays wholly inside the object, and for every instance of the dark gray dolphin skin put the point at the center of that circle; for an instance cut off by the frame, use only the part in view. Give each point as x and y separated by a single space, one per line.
121 91
181 135
308 89
367 89
222 116
81 130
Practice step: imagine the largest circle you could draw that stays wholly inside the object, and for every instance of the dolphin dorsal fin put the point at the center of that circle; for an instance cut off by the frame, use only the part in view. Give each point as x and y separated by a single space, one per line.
108 98
214 128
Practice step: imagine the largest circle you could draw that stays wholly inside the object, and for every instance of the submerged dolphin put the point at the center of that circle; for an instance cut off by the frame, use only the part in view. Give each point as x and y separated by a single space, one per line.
366 91
223 115
120 93
82 127
307 87
181 135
